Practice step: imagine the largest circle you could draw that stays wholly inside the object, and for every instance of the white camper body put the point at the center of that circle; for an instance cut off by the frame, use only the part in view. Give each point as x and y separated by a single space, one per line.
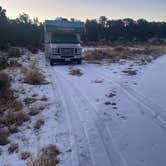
62 41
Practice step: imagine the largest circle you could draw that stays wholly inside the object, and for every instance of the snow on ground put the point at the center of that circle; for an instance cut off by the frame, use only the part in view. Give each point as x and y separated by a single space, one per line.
103 117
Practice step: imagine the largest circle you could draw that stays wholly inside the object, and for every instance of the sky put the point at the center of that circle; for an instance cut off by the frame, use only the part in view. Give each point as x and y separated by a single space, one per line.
152 10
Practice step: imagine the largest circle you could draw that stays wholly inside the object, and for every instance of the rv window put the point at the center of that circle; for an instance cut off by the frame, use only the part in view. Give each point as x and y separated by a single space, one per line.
65 38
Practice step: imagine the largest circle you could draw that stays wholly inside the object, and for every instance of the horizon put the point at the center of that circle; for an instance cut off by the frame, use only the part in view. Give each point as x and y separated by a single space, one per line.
113 9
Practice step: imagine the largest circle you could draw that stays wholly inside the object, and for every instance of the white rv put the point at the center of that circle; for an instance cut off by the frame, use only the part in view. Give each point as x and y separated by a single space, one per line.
62 41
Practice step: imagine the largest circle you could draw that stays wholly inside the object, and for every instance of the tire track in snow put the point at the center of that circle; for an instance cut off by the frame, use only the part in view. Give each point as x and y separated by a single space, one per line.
80 150
136 97
56 93
101 131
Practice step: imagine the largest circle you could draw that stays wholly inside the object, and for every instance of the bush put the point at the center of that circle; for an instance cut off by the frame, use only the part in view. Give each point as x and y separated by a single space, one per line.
94 55
4 134
39 123
33 50
3 62
25 155
14 52
16 118
47 157
76 72
102 54
6 94
119 48
13 148
4 81
34 77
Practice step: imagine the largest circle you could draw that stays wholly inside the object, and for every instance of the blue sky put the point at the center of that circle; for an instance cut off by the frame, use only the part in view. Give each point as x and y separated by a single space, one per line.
81 9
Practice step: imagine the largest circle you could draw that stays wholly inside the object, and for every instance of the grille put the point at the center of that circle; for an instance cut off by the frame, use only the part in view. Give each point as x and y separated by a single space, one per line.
67 51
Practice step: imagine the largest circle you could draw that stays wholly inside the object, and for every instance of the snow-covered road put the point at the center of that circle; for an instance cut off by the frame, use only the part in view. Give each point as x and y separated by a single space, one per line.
102 116
127 128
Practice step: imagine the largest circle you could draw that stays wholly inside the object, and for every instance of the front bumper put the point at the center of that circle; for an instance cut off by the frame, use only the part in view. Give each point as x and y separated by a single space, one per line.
64 58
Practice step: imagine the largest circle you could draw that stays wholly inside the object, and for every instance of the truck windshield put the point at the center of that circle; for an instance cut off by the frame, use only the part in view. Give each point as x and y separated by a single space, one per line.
65 38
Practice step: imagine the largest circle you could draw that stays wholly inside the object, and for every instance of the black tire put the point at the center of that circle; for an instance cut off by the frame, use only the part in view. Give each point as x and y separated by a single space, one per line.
79 61
51 62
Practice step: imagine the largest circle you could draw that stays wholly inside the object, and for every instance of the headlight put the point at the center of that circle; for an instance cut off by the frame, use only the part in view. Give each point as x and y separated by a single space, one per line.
56 50
78 50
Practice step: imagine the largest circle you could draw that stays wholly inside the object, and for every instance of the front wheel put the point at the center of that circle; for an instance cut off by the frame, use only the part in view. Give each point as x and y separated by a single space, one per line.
79 61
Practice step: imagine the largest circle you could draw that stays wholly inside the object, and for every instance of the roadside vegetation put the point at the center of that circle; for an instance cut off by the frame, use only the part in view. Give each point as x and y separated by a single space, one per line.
76 72
11 113
46 157
115 54
34 77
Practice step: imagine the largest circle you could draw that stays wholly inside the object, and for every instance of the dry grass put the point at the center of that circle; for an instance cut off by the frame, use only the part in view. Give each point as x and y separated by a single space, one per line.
38 124
13 128
25 155
44 99
130 72
4 134
34 111
13 148
76 72
14 52
33 50
117 53
29 100
3 62
16 118
17 105
46 157
4 81
34 77
6 94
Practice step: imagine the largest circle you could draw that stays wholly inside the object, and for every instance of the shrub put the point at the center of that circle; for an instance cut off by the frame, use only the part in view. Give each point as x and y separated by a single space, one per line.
130 72
34 111
14 52
16 105
29 100
13 148
119 48
39 123
47 157
33 50
25 155
3 62
13 128
76 72
4 81
16 118
4 134
119 52
94 55
6 94
34 77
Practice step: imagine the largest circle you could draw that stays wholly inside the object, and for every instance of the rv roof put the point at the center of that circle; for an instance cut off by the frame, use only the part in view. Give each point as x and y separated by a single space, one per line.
62 23
65 26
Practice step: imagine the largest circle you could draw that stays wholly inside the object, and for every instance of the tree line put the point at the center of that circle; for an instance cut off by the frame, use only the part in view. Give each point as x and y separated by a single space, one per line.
123 30
21 31
24 31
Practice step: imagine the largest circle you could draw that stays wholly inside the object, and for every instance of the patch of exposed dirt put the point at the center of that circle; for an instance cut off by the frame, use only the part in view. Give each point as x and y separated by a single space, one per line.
130 72
76 72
